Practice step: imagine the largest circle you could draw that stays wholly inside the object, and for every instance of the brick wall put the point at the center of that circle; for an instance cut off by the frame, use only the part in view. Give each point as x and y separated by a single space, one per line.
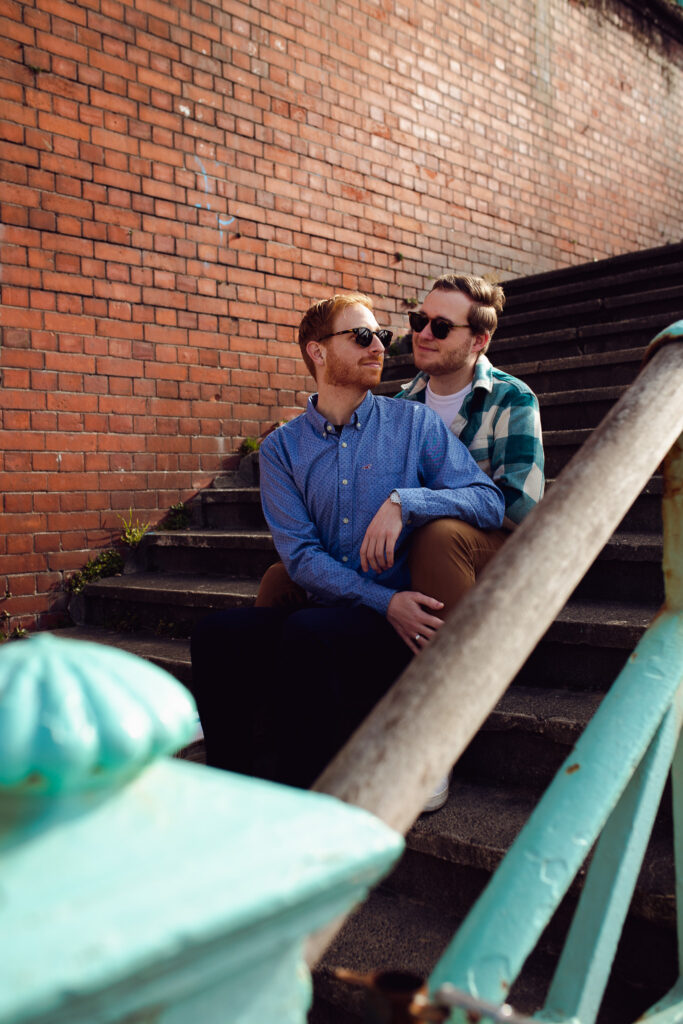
179 180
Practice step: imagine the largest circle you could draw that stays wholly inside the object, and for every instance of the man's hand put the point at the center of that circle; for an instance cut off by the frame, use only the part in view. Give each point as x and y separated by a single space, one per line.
407 613
377 549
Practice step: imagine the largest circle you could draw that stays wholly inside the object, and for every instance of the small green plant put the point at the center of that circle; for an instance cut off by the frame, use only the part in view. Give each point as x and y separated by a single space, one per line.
178 517
5 616
132 530
18 633
107 563
249 445
410 302
170 630
126 622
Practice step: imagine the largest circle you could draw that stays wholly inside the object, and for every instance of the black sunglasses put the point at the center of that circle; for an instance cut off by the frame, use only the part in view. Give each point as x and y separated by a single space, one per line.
440 328
363 335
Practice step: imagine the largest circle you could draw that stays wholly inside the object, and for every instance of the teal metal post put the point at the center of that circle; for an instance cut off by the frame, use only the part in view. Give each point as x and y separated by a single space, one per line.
141 888
608 789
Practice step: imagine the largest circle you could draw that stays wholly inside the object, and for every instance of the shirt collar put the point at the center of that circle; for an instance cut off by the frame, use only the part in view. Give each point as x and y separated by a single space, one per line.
483 374
359 416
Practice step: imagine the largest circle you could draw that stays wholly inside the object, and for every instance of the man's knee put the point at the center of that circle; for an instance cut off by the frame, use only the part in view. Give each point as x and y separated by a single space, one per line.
277 590
442 538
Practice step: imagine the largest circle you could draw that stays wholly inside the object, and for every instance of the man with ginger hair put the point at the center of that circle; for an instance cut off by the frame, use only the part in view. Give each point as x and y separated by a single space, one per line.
344 486
494 414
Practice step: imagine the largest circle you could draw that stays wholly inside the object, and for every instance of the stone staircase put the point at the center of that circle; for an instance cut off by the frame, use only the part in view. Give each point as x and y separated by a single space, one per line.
576 337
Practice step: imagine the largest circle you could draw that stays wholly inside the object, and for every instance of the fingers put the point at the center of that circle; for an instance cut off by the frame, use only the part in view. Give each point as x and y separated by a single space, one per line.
429 602
377 552
408 639
379 542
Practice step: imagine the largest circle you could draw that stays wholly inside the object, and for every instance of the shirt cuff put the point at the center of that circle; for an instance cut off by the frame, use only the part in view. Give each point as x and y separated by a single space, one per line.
378 598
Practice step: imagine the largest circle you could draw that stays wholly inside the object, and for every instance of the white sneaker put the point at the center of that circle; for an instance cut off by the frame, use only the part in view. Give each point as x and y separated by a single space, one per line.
439 796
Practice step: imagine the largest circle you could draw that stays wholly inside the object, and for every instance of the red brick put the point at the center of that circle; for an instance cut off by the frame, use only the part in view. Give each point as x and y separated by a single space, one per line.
324 192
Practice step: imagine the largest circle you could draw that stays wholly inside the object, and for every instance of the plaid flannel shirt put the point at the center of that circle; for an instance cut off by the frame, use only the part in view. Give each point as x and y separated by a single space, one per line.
500 424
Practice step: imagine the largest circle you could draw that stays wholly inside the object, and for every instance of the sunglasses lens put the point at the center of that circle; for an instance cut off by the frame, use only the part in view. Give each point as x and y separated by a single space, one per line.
363 336
441 329
385 336
418 321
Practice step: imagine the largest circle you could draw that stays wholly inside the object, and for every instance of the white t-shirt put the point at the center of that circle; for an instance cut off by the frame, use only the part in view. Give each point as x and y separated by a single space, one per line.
447 406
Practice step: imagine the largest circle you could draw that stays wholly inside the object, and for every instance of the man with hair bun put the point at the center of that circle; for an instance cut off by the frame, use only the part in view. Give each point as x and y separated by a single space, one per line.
494 414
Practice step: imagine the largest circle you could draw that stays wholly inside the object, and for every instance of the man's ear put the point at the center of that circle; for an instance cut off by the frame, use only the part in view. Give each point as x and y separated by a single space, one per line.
316 352
480 341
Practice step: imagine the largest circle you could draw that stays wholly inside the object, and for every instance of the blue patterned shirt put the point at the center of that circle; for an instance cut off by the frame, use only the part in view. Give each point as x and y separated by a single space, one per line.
320 490
500 425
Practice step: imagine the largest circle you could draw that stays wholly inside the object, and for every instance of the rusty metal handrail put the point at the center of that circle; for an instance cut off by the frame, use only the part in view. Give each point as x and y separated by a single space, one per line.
447 692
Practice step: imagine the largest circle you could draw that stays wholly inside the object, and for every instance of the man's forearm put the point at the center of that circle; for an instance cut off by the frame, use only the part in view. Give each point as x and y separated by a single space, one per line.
480 504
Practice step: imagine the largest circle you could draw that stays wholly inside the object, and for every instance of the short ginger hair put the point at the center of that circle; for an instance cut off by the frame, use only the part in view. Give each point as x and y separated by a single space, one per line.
318 320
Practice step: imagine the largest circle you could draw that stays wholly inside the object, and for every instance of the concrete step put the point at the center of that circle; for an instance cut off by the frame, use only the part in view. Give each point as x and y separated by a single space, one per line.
645 515
584 648
629 565
527 737
235 508
653 261
170 654
569 410
164 603
576 311
409 920
244 504
599 369
473 832
640 280
394 932
587 645
560 446
517 346
242 553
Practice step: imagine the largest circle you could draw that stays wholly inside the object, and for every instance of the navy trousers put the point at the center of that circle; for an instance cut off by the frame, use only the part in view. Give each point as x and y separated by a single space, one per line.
279 692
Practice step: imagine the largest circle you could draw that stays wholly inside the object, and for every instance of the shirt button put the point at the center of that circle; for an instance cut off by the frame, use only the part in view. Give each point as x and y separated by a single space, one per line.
357 426
345 520
344 558
344 444
345 481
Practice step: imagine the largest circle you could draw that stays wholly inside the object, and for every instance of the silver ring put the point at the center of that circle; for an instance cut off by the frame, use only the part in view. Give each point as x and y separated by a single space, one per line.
418 636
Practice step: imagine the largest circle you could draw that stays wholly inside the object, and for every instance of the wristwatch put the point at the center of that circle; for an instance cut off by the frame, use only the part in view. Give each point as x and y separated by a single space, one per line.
395 498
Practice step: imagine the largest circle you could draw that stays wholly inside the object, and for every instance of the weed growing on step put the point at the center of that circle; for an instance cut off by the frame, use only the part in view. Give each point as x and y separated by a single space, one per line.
170 630
133 530
249 445
18 633
252 444
177 517
107 563
125 622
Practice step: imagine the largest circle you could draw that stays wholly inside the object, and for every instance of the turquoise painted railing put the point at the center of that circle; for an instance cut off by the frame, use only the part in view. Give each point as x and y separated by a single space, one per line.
141 889
609 788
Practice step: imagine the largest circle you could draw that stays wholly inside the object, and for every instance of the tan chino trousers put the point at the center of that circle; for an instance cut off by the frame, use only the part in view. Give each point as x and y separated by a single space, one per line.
446 555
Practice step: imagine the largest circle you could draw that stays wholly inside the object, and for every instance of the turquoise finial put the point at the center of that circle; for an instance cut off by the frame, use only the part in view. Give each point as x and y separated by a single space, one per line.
77 716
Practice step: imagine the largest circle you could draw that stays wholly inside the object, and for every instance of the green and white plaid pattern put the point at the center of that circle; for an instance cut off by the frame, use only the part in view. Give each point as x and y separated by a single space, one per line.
499 422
